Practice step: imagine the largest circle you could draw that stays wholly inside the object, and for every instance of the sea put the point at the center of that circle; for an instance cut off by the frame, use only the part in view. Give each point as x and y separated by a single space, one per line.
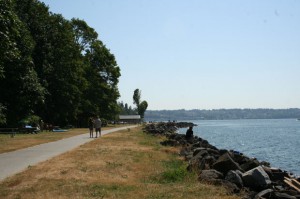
276 141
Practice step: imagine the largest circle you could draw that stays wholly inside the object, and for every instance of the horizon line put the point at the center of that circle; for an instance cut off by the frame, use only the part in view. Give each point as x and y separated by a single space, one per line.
182 109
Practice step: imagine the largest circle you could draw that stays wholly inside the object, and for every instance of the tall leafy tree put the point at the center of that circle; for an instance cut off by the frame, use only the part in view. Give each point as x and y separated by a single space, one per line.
101 73
84 37
19 84
57 59
7 48
65 77
104 73
137 97
35 15
141 106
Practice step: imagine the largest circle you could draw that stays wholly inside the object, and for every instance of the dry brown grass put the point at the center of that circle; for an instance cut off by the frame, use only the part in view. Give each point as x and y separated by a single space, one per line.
21 141
118 165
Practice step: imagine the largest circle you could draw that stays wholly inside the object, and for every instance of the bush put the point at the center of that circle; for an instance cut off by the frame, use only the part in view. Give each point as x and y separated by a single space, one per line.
2 116
30 119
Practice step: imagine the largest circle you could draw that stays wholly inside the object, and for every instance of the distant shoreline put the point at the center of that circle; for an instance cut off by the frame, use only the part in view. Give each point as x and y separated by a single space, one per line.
221 114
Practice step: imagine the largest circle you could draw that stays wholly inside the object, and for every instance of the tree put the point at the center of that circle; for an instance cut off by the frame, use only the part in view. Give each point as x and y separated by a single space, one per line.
19 84
136 97
102 75
53 68
65 79
126 110
57 60
141 106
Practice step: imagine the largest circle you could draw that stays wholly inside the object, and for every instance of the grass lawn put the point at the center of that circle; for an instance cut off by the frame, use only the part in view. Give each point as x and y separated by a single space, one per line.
124 164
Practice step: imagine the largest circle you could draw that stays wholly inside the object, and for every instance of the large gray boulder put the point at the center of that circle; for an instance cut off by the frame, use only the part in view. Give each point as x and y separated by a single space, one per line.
256 178
275 174
216 178
210 175
200 152
234 177
250 164
225 163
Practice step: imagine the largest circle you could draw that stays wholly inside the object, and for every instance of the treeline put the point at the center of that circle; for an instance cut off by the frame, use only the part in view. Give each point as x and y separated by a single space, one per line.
52 68
221 114
127 110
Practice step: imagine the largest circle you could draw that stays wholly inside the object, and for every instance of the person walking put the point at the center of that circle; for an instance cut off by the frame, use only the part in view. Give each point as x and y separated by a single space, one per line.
97 125
42 125
91 127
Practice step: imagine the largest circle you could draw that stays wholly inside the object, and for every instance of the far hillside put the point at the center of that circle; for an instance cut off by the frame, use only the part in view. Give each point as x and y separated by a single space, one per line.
221 114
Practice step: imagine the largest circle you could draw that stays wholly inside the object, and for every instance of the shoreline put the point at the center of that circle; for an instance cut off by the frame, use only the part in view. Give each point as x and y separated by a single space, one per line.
229 168
271 140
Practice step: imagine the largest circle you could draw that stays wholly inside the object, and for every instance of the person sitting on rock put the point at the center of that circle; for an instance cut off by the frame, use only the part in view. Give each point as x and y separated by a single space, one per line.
189 133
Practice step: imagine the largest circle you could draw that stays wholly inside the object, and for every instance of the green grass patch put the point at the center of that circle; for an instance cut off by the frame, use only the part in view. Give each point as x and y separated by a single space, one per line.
174 171
104 191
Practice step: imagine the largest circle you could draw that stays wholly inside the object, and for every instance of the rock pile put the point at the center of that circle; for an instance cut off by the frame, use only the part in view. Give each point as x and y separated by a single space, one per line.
231 169
164 128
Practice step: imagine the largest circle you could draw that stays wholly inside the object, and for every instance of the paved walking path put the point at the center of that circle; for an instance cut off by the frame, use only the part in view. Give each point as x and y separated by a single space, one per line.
16 161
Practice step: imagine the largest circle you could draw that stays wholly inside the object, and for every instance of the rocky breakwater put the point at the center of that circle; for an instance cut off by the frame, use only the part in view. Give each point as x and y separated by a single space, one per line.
232 169
165 128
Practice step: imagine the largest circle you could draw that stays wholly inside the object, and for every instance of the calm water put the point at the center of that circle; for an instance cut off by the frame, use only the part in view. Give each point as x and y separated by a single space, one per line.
275 141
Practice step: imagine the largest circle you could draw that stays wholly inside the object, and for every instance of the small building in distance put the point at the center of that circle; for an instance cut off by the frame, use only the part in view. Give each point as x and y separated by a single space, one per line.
130 119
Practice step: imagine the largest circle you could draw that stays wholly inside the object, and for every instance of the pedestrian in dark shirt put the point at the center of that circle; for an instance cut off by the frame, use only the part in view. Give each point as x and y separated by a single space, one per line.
189 133
91 127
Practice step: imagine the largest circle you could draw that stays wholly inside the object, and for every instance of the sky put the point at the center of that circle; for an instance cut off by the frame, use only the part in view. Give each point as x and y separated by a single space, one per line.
199 54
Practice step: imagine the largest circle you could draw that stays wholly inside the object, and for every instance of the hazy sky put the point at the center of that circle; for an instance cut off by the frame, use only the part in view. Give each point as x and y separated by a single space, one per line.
199 54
